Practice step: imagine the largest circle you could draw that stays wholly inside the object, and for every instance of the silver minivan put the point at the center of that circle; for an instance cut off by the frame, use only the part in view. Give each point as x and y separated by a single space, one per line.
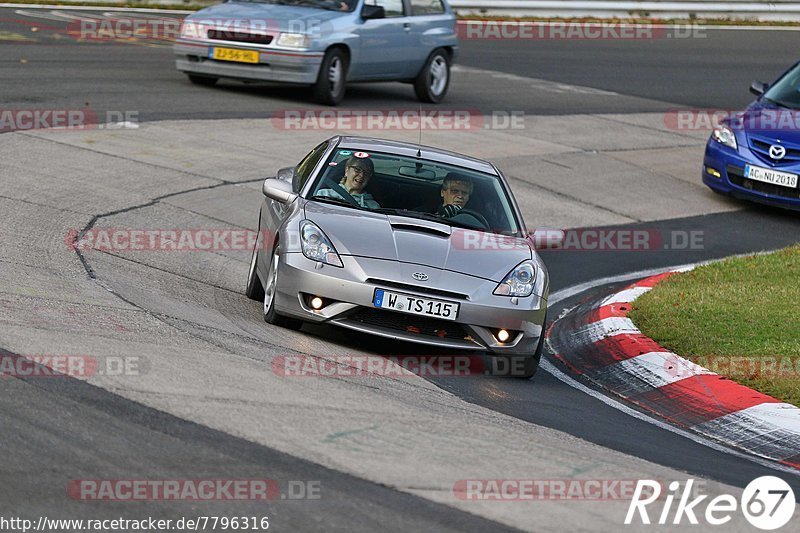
322 43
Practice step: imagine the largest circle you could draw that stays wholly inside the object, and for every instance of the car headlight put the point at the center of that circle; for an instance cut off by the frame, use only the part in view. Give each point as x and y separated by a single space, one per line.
724 135
316 245
191 30
519 281
293 40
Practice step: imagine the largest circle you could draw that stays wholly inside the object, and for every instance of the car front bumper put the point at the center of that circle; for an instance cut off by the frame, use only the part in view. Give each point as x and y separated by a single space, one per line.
730 165
274 65
348 293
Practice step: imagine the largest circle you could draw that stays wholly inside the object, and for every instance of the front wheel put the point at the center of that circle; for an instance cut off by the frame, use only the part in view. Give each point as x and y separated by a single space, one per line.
432 82
271 316
332 78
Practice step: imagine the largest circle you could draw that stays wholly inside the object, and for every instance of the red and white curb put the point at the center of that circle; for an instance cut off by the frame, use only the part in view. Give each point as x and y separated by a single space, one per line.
600 342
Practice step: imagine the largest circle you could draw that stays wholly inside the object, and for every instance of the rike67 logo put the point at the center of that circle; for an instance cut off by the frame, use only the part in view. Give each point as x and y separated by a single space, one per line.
767 502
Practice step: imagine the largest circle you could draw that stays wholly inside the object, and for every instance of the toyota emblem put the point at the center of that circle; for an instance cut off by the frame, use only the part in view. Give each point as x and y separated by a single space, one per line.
776 151
419 276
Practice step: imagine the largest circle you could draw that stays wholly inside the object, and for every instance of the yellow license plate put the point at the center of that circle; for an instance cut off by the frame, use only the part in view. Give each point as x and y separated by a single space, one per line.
231 54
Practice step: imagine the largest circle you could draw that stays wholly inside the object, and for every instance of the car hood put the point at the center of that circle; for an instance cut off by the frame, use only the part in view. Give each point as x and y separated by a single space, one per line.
276 17
772 122
410 240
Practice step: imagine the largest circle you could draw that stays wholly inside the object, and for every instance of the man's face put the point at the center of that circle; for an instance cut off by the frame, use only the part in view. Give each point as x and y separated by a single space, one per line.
456 193
356 177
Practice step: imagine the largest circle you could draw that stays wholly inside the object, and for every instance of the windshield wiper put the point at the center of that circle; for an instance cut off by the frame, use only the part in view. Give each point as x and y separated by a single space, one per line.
778 103
337 201
410 213
426 216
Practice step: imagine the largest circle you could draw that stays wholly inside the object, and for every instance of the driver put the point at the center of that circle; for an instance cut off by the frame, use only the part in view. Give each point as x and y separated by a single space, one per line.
456 190
357 173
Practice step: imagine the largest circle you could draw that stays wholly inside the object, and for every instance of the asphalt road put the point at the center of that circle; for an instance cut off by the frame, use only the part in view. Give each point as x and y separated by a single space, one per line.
63 427
706 69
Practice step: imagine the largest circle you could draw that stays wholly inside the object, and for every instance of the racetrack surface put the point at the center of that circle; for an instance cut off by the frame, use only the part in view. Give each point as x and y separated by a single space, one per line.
386 451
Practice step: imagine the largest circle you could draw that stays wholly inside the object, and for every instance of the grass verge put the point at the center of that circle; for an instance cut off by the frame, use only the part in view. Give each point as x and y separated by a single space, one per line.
739 317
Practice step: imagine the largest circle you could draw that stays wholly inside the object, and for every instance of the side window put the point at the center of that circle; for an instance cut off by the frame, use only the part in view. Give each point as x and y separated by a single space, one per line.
427 7
392 8
306 166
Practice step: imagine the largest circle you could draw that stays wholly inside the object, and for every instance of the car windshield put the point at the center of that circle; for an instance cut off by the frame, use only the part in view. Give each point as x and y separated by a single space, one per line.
330 5
786 91
427 190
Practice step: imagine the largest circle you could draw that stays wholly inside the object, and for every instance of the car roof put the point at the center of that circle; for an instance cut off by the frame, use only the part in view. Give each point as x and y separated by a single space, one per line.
410 149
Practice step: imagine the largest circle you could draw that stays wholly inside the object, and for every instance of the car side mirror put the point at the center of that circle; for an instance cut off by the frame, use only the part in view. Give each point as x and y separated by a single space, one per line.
278 190
286 174
547 238
373 12
758 87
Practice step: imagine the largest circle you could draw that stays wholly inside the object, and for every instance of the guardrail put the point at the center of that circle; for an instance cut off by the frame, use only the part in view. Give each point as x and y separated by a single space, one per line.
734 10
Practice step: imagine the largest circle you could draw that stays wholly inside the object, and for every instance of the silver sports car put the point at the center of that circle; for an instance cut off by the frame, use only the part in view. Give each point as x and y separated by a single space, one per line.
402 241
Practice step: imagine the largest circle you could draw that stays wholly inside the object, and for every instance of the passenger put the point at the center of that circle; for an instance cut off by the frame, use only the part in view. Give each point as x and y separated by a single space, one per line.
357 173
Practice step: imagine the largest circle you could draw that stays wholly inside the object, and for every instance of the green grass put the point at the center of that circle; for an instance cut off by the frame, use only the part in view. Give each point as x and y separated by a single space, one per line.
739 317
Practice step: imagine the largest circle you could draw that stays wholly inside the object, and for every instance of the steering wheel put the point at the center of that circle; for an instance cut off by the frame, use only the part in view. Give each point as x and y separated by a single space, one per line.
472 214
346 196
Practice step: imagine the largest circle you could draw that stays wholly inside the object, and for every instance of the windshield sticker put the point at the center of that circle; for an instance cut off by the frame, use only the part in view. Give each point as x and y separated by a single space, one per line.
361 154
345 152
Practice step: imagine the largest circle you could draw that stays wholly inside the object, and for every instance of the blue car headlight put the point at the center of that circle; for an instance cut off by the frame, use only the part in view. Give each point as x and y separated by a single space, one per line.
316 245
293 40
518 282
724 135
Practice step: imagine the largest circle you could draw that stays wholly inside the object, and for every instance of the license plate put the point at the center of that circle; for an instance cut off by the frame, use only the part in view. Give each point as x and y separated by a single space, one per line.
784 179
415 305
232 54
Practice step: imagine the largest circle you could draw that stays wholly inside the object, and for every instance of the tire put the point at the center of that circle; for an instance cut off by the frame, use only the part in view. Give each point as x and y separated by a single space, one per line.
254 289
271 316
332 78
433 80
202 80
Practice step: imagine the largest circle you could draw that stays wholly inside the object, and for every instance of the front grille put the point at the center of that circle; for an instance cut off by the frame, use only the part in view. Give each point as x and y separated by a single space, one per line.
416 288
420 325
736 176
239 37
760 147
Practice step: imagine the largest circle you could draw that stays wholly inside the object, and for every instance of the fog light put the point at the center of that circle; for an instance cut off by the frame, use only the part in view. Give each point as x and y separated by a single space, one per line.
503 335
316 303
713 172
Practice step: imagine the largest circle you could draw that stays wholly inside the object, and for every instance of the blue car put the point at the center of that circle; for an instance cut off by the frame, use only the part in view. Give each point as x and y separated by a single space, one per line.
322 43
755 154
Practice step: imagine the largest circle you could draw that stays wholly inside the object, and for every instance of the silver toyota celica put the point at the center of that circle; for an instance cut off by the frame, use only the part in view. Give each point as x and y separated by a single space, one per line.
402 241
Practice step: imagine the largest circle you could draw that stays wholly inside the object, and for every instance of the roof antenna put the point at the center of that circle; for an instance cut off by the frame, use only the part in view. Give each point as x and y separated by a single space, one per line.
419 144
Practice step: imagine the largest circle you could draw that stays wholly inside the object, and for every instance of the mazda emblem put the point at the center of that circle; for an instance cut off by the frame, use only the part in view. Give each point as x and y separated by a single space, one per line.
776 151
419 276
